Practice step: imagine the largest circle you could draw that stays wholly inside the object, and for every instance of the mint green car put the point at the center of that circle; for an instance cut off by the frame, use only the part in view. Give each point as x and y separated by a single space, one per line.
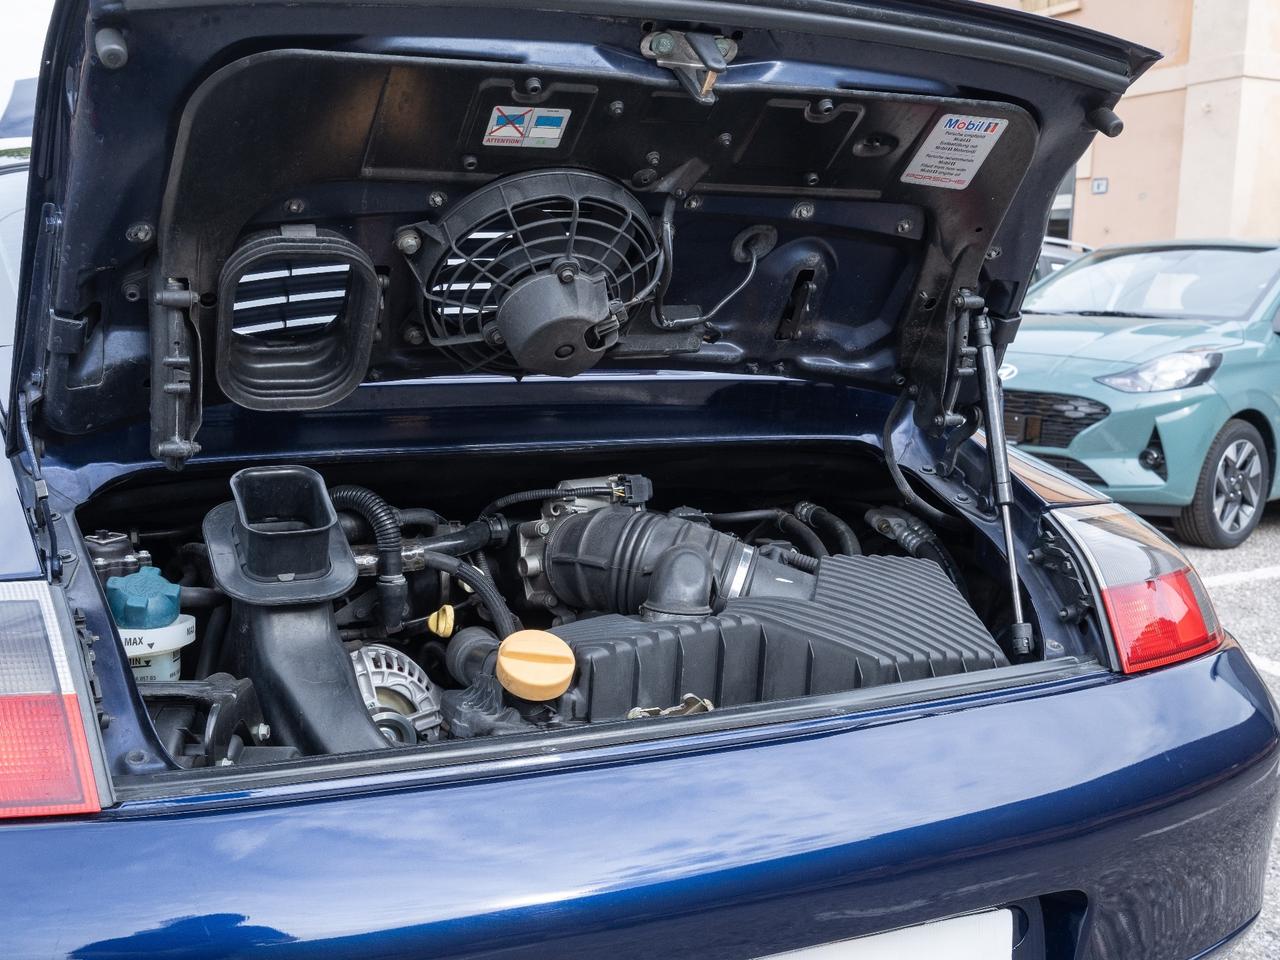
1153 373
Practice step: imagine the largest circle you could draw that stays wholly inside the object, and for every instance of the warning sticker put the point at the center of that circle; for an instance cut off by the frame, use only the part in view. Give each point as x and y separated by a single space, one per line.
526 127
953 151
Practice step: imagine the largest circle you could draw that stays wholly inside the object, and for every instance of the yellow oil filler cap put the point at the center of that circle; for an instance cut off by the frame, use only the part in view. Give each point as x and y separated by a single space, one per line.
535 665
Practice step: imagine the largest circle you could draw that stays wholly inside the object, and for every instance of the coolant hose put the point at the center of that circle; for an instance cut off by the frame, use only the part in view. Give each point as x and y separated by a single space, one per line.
474 537
419 517
785 522
393 589
211 643
909 496
483 587
822 519
200 598
802 535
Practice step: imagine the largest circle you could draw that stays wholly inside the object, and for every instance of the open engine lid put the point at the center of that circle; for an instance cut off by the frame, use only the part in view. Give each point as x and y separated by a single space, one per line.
270 205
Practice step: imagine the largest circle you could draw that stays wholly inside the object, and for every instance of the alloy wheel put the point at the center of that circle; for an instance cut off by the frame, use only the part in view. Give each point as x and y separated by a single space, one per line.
1237 486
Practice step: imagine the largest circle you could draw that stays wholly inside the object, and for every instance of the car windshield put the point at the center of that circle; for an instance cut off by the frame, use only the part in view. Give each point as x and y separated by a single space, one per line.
1214 282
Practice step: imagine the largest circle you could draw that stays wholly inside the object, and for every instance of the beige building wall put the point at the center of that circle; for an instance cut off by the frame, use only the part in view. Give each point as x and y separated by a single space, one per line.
1200 153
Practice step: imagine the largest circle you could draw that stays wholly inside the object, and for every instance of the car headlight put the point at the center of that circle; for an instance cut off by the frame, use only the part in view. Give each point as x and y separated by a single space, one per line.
1173 371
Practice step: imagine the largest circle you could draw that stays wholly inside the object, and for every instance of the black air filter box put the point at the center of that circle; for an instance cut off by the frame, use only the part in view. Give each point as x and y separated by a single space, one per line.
870 621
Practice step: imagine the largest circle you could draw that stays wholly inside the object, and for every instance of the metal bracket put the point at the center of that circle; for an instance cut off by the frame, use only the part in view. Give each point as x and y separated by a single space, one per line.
697 59
1050 553
175 372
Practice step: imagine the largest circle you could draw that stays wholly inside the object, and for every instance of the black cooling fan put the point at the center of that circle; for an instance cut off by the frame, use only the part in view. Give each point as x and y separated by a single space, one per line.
535 272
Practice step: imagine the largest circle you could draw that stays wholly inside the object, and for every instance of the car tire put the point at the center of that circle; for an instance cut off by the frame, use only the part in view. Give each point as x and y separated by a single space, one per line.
1231 492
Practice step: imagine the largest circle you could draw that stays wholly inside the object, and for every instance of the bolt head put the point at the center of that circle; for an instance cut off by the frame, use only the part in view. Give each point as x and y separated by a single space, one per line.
663 44
617 108
724 45
811 179
725 139
653 158
566 274
296 205
414 336
903 226
409 242
261 732
436 199
693 203
803 210
141 232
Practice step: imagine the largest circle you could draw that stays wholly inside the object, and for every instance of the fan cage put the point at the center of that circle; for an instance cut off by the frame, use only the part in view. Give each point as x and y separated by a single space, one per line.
488 259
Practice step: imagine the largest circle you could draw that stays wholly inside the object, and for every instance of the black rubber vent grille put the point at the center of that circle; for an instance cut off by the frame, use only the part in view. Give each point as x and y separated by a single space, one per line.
1075 468
484 261
1049 419
291 297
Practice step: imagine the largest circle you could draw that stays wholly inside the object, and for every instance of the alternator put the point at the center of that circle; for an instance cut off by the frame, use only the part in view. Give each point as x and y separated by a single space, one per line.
399 696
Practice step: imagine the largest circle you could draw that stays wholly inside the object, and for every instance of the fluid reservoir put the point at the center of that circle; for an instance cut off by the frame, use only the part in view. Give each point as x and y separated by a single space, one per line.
145 608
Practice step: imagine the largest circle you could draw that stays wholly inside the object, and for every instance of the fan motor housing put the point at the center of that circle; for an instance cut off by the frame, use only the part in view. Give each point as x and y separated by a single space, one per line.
534 273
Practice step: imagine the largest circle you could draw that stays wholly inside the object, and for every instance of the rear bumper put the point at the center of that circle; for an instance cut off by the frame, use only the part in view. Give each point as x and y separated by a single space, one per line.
1140 809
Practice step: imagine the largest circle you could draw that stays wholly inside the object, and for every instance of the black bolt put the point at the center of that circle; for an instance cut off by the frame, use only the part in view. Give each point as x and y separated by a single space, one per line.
295 205
617 108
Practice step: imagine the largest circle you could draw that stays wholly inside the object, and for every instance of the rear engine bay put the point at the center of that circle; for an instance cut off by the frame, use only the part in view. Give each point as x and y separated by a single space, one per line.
276 613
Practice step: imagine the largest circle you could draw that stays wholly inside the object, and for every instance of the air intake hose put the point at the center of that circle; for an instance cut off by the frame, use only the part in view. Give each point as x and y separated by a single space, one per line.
605 559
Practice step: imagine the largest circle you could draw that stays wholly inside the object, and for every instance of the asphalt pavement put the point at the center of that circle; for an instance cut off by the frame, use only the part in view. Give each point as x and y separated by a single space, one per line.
1245 586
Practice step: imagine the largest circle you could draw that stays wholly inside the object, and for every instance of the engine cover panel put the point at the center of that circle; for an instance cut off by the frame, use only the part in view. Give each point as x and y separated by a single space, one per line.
871 620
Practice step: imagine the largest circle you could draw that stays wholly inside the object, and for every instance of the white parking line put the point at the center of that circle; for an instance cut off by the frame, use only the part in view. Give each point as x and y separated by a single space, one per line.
1242 576
1265 664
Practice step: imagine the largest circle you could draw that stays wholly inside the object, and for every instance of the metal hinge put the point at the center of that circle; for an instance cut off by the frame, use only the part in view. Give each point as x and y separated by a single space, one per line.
41 514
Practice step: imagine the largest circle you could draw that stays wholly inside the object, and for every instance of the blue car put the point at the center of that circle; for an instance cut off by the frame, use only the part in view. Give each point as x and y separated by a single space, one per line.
529 481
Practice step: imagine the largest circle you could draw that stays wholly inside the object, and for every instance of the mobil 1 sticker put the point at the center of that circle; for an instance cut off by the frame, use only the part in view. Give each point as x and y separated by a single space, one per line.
953 151
526 127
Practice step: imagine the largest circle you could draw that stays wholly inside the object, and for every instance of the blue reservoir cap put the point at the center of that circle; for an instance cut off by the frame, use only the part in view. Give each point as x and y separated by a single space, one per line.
143 600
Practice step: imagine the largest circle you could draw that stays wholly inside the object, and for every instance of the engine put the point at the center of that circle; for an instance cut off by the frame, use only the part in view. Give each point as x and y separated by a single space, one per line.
361 625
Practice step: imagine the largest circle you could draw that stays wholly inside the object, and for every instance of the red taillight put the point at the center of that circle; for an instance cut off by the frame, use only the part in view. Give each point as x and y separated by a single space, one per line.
1155 604
1158 622
46 767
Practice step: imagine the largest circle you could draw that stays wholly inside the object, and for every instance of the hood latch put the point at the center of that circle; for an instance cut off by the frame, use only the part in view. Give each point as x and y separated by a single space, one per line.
697 59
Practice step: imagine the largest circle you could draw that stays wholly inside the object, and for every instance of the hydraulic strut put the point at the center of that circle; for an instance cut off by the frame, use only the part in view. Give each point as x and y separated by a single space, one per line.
1002 487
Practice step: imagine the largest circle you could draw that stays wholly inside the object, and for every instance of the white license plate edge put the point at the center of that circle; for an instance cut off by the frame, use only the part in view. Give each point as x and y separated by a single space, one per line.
978 936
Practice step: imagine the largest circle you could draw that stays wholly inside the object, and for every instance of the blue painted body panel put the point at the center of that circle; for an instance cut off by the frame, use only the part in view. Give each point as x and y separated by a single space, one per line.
1153 797
1138 808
